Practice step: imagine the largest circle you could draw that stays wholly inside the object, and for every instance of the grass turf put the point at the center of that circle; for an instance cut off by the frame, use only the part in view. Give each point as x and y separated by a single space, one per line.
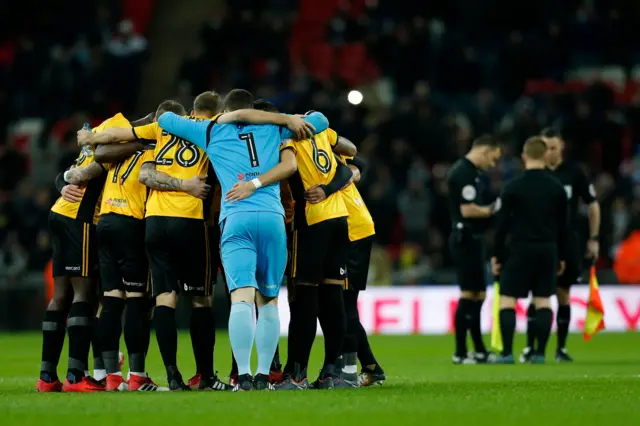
601 388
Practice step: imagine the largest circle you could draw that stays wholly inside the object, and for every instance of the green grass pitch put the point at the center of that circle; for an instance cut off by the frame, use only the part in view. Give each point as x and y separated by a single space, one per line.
601 388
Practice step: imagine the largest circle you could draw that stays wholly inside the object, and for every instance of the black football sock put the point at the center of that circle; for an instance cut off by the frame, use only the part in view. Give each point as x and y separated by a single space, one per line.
507 329
275 364
531 326
365 353
167 336
563 319
98 364
136 332
331 300
544 318
234 365
474 327
110 327
304 314
202 339
53 332
79 329
462 321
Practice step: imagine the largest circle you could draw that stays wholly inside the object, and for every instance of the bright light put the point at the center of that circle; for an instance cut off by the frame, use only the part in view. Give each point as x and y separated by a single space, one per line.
355 97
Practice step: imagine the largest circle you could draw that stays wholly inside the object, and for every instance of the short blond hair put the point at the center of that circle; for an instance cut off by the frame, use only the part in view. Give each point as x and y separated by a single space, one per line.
535 148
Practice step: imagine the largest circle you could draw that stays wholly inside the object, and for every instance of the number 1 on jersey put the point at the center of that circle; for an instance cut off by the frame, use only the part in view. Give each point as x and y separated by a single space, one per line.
251 147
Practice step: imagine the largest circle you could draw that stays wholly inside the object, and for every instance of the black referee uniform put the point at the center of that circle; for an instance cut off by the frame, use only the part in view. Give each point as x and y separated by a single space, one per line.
534 218
469 253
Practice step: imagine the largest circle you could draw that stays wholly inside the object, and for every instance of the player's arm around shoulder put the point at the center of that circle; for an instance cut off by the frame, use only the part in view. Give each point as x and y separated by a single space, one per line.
160 181
287 166
193 131
80 176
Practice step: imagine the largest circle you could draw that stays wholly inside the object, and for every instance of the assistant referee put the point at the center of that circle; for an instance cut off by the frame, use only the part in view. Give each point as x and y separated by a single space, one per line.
534 217
470 212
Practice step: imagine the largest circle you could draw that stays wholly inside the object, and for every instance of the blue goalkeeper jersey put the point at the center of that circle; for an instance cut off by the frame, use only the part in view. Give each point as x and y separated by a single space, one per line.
240 152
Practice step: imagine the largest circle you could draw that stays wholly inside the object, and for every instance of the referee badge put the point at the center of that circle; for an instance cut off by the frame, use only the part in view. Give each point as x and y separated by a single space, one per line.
469 193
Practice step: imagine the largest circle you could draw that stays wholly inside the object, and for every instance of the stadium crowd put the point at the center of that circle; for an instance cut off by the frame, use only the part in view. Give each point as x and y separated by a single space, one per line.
433 75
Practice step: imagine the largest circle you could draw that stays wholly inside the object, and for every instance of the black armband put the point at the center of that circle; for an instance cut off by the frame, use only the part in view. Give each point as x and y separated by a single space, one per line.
359 162
60 182
342 177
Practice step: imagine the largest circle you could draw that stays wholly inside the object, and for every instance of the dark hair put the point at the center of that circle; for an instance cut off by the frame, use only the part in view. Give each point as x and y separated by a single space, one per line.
263 105
238 99
550 132
486 140
170 106
208 101
535 148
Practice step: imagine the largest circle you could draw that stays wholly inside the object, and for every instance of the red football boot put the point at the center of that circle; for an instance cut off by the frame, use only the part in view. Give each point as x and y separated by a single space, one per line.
276 376
233 380
87 384
144 384
194 382
115 383
42 386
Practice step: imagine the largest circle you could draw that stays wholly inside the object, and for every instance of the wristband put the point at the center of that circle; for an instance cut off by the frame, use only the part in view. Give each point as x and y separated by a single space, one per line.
256 182
65 175
594 238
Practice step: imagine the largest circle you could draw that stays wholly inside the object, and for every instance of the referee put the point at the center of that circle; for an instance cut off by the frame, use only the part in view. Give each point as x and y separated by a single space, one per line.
576 186
470 213
534 217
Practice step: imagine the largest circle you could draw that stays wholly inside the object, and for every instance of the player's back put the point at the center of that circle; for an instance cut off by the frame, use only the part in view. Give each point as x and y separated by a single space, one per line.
536 202
242 153
123 193
316 166
179 159
359 221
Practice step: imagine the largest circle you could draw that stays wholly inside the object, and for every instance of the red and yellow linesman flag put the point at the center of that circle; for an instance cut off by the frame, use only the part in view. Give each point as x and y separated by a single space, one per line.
594 321
496 335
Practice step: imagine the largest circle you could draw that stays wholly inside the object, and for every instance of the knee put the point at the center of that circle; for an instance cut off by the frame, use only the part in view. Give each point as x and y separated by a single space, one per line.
262 300
466 294
563 295
542 302
167 299
245 294
81 289
134 295
507 302
118 294
201 301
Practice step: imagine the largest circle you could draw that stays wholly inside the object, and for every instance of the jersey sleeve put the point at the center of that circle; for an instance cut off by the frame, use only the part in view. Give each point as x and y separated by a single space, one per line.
316 119
148 131
288 144
462 189
196 132
585 189
332 136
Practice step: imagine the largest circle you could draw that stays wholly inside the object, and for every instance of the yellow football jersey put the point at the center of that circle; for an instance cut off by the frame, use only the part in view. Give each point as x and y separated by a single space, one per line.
316 166
179 159
88 209
359 221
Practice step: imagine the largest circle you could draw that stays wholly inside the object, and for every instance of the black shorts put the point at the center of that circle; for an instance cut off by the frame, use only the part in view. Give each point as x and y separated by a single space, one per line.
530 268
358 261
73 244
469 255
287 270
179 257
319 251
122 255
574 264
214 249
